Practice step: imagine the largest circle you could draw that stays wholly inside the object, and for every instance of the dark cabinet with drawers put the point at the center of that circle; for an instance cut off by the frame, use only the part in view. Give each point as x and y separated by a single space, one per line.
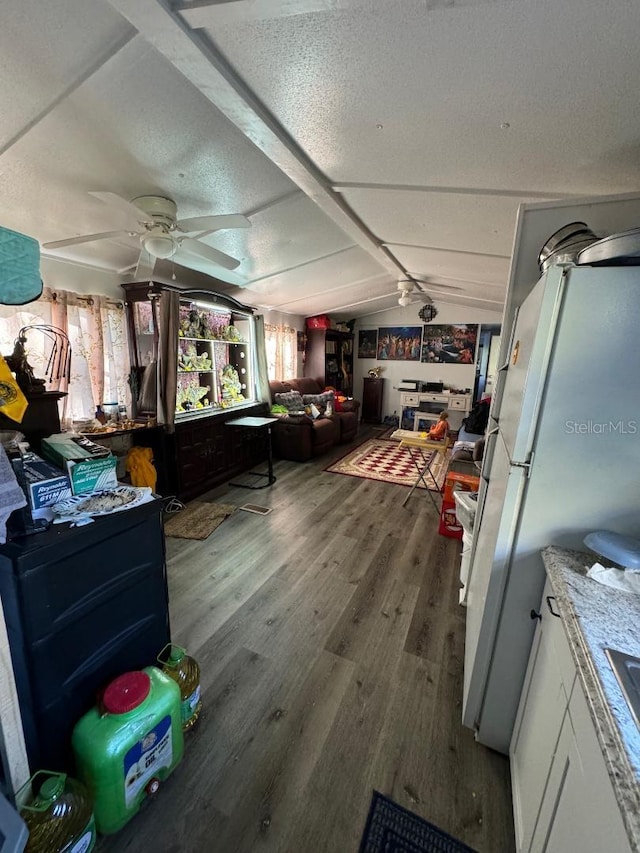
82 605
372 394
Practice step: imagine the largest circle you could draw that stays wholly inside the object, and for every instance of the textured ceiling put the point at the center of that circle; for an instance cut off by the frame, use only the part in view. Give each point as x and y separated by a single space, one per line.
365 141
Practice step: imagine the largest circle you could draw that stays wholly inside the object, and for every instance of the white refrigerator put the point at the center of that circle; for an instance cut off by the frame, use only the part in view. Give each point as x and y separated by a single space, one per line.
562 458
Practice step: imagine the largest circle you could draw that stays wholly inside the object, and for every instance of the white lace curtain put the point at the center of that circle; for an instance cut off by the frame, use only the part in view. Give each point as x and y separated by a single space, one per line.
281 346
96 329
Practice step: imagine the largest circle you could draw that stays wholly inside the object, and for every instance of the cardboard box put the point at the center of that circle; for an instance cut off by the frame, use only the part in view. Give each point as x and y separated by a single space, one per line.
62 448
45 484
93 475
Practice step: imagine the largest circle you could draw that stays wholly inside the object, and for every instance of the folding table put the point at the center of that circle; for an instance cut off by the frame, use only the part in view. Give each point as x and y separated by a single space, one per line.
422 452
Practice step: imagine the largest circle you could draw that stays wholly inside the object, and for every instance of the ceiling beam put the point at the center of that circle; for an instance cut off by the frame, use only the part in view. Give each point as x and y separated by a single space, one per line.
102 58
450 251
472 191
197 58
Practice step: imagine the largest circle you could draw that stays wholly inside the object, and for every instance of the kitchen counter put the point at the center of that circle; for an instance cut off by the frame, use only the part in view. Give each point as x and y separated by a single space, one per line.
595 617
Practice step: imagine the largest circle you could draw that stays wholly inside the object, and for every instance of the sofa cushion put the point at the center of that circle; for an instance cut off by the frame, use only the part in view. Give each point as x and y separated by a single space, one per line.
320 401
291 400
306 385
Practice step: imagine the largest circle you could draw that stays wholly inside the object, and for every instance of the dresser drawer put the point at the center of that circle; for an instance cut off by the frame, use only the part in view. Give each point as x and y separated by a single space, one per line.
410 399
457 403
434 398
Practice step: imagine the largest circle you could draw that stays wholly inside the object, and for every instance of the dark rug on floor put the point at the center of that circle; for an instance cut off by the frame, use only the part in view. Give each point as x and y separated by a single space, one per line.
197 520
392 829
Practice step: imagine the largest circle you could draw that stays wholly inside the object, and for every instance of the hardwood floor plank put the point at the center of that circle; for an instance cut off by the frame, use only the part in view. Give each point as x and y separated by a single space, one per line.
336 807
367 610
330 641
263 795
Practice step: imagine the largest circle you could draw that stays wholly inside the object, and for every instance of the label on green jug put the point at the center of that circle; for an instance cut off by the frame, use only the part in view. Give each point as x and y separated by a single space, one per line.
188 706
86 840
146 758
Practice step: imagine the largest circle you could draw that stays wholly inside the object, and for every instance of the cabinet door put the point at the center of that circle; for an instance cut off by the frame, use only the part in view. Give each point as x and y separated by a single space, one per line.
579 811
543 705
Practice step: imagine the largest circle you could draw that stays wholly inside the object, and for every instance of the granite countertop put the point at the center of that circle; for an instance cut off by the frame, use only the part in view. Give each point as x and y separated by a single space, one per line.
595 617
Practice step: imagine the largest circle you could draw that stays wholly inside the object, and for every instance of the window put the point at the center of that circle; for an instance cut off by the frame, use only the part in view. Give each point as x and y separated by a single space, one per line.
96 329
281 346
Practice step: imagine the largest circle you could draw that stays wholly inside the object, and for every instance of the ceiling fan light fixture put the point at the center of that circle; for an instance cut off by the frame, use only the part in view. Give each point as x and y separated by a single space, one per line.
405 300
159 245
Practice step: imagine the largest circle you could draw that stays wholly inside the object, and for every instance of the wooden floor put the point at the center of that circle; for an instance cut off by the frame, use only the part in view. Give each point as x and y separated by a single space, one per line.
331 647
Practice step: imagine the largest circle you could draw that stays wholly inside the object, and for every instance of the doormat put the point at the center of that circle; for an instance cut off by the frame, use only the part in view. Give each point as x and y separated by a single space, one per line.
259 510
391 828
198 520
384 460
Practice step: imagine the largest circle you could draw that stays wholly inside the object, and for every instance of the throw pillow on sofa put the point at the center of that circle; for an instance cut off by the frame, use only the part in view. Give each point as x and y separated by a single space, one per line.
320 401
291 400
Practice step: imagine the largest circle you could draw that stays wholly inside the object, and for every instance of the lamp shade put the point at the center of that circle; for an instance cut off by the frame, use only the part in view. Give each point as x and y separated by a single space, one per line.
159 245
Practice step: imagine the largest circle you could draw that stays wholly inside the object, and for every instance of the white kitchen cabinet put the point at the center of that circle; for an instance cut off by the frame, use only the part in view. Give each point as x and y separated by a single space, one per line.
563 799
579 810
536 732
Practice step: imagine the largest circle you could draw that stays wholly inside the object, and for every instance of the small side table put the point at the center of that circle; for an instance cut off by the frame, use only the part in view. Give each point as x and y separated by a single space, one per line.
257 423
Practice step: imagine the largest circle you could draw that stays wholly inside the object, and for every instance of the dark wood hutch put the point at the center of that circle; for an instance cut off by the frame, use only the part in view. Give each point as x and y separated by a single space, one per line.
198 452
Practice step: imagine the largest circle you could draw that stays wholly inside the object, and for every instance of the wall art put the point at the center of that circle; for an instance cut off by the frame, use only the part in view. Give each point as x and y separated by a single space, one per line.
399 343
451 344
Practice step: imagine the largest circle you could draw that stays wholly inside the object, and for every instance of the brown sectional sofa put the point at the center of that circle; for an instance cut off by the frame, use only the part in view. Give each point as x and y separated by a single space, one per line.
298 437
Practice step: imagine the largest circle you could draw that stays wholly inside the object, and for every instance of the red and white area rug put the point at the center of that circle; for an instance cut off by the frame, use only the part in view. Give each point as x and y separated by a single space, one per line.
384 460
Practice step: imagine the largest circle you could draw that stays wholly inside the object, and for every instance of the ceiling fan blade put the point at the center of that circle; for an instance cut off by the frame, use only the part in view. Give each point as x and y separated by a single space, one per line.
200 264
423 284
195 247
145 266
87 238
116 201
212 223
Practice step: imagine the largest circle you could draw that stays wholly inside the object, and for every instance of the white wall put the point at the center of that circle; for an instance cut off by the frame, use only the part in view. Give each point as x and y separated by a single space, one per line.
62 275
452 375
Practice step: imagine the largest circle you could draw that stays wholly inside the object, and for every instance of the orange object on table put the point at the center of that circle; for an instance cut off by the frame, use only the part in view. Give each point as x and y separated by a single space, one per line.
455 480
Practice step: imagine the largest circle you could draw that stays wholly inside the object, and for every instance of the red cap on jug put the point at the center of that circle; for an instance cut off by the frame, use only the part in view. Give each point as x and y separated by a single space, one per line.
126 692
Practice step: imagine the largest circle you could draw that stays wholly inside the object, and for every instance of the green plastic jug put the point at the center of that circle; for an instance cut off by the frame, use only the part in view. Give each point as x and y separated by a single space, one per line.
126 748
59 815
184 670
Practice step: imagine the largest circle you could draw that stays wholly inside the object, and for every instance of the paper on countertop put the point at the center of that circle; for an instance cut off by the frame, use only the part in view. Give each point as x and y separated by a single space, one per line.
616 578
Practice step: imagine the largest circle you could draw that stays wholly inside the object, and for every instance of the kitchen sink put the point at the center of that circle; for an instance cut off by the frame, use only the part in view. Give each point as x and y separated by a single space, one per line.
627 670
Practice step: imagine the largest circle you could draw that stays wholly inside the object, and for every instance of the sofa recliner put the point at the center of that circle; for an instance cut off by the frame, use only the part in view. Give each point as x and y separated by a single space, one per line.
299 438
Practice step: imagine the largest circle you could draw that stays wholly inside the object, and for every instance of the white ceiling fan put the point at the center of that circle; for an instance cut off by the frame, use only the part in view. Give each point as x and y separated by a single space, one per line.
162 234
416 291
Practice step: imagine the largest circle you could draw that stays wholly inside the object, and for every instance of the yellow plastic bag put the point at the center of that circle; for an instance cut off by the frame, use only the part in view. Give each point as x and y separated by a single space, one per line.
140 465
13 403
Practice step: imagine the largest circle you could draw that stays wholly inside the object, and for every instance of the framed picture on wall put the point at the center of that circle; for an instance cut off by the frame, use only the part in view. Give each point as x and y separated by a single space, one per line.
367 343
451 344
399 343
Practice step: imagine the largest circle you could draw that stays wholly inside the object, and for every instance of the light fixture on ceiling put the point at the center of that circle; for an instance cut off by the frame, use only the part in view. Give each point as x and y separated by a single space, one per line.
405 288
158 243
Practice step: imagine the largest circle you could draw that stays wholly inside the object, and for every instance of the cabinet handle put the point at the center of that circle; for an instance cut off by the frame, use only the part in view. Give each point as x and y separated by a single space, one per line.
551 598
535 615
